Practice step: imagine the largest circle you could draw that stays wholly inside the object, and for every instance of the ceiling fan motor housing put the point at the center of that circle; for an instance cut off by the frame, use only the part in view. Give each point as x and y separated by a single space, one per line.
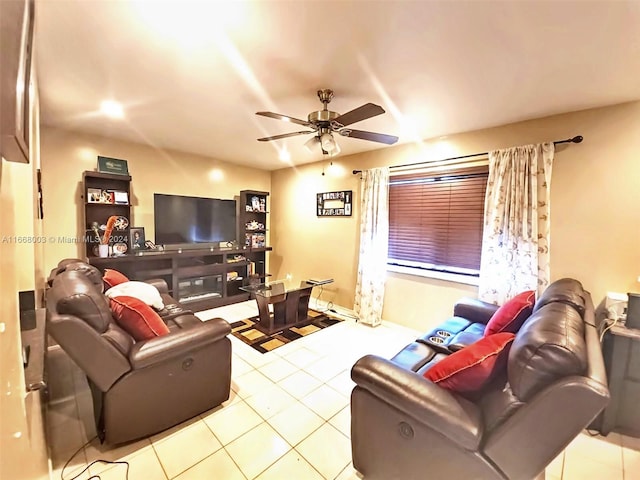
322 116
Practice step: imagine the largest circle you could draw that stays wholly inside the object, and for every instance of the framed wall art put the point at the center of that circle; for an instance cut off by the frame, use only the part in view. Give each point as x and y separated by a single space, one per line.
334 204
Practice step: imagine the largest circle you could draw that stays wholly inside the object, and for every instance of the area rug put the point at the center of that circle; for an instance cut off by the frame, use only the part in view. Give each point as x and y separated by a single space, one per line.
245 330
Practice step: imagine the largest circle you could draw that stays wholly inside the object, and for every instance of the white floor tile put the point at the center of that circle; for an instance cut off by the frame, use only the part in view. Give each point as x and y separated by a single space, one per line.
325 401
299 384
158 437
599 449
296 422
342 383
302 356
278 370
584 468
251 383
144 465
232 422
350 473
291 466
75 466
555 467
113 453
65 438
239 366
187 447
270 401
251 356
219 465
327 450
342 421
255 451
61 412
631 462
326 368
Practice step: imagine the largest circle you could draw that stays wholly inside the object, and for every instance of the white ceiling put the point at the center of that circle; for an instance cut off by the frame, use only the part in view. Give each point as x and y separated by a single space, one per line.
191 75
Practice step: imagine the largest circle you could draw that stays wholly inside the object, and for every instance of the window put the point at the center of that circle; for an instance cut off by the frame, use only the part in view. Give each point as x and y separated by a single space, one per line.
436 218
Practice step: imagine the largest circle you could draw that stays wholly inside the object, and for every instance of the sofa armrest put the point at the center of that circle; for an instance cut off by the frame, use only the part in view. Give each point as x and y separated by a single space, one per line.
452 416
159 283
474 310
178 342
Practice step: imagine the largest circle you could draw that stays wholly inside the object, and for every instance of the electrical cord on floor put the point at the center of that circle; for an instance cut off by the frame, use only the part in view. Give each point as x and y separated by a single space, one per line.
96 477
319 298
330 305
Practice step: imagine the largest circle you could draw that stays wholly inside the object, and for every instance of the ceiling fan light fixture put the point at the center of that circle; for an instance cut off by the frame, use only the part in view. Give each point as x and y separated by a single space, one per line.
310 144
327 142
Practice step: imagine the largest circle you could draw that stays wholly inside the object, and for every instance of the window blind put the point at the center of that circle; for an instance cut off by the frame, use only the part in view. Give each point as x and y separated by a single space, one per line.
435 219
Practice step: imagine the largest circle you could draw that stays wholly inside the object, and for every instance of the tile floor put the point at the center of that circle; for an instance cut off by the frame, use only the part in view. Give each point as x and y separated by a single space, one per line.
287 418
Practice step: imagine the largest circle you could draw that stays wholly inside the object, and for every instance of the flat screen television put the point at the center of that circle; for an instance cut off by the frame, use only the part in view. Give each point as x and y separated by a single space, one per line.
180 219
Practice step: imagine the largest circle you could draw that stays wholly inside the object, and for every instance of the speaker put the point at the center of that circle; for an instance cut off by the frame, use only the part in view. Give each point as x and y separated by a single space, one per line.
27 306
633 311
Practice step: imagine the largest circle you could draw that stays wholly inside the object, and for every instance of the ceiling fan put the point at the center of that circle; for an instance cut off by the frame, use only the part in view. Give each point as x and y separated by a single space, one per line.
324 122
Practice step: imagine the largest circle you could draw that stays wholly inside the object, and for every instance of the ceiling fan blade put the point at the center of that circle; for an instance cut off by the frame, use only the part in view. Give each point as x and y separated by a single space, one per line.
363 112
374 137
284 135
285 118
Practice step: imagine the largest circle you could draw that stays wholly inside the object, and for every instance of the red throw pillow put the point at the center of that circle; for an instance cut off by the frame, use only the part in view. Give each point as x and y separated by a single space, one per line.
111 278
470 369
510 316
137 318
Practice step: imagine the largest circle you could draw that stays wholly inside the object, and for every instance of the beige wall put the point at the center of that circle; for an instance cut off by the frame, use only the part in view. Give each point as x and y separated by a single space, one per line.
66 154
23 451
595 222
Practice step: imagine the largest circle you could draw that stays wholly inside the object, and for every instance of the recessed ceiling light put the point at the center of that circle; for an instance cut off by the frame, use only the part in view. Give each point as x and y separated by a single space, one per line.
285 156
112 109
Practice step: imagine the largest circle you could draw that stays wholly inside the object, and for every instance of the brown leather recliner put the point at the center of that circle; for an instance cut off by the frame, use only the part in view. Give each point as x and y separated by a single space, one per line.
405 427
138 388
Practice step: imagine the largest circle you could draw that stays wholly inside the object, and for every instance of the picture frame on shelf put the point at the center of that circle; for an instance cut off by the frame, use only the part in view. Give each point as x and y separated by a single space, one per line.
94 195
136 238
120 197
106 196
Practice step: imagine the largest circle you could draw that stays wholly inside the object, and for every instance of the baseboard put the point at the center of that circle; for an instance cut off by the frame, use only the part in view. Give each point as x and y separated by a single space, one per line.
330 307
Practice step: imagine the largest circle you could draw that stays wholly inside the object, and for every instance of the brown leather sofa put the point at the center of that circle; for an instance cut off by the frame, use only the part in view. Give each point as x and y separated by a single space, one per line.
405 427
138 388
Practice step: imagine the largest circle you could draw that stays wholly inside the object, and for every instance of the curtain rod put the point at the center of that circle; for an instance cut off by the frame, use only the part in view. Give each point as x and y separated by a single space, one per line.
576 139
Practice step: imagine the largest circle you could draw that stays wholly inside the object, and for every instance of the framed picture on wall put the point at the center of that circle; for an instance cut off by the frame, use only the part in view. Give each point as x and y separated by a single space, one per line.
334 204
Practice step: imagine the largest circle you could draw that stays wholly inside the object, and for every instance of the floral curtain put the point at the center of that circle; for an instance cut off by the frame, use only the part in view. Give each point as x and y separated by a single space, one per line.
515 243
374 238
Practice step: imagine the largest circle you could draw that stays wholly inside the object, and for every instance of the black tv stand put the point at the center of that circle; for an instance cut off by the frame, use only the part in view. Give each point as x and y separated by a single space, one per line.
198 278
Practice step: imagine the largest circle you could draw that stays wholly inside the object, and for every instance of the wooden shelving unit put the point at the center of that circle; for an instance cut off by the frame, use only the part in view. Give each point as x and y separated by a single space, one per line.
252 216
99 212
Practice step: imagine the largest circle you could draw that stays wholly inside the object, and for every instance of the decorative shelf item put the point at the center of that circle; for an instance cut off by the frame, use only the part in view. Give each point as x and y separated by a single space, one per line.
113 165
